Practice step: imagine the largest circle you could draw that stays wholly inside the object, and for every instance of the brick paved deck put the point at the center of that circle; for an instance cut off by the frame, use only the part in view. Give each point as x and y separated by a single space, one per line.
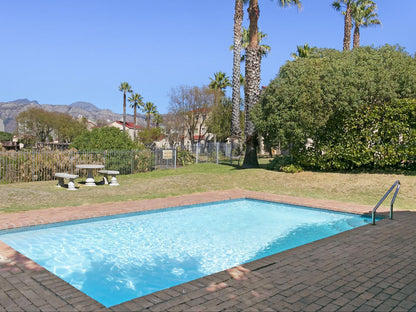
371 268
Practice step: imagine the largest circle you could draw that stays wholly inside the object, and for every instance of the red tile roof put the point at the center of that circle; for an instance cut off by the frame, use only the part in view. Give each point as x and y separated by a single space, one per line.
129 125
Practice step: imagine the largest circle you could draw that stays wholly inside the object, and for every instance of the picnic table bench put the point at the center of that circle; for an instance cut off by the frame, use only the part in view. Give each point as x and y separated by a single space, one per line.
113 173
62 176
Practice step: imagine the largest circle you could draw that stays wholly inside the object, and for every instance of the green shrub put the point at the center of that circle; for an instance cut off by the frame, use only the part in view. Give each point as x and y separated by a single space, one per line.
101 139
185 157
343 110
144 161
292 169
278 162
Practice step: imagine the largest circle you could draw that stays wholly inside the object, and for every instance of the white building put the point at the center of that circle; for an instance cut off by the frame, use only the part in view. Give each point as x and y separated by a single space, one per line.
129 127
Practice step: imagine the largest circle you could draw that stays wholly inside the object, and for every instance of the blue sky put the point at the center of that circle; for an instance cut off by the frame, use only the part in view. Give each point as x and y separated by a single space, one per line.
63 51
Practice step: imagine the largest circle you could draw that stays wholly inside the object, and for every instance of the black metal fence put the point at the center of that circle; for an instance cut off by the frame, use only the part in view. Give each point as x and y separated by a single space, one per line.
41 165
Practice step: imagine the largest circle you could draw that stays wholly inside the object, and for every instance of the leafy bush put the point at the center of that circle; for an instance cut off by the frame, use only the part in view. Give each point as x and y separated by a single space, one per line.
373 137
144 161
185 157
292 169
343 110
285 164
105 138
5 136
278 162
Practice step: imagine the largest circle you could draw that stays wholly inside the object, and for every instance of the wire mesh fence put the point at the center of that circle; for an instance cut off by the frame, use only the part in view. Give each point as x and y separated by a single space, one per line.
41 165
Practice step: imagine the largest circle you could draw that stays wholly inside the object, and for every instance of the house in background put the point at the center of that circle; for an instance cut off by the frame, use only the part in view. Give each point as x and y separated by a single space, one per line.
130 129
196 130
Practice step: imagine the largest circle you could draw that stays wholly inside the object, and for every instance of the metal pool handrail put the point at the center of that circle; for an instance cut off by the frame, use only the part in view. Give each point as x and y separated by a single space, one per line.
373 214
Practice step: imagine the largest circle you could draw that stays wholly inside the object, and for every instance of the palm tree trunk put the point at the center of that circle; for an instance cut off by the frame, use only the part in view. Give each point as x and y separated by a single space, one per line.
124 111
238 21
356 40
135 119
252 94
347 28
252 86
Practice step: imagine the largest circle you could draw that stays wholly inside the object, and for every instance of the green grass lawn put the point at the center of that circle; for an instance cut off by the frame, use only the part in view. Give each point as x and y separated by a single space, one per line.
354 188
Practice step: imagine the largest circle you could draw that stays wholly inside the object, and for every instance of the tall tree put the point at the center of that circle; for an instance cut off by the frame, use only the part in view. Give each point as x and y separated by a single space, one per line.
44 126
124 87
190 107
364 14
136 101
150 110
323 99
238 22
252 77
344 6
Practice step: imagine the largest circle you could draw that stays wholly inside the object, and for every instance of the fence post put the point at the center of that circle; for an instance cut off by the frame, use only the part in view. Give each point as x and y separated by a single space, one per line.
155 152
174 158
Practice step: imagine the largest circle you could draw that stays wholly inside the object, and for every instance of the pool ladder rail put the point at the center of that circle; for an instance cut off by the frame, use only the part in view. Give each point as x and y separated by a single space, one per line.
395 185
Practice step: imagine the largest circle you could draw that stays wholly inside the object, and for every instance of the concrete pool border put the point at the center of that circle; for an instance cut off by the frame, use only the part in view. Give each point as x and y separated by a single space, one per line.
368 268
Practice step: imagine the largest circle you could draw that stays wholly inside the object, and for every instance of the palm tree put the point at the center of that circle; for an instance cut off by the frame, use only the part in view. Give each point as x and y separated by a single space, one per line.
220 82
136 101
124 87
339 5
252 77
264 48
303 51
264 51
149 109
364 15
157 119
238 22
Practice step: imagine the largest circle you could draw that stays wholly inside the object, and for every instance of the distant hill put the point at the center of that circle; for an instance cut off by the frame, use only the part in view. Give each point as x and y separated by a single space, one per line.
9 111
85 105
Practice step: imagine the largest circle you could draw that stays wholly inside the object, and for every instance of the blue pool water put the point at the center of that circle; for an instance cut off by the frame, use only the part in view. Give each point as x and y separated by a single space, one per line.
116 259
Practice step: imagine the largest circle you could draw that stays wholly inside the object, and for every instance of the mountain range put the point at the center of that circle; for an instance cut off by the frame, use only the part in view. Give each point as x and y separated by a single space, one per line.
9 111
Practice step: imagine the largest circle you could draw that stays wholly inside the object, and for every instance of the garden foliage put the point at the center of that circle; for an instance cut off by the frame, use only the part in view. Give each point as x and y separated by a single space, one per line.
38 125
105 138
343 110
5 136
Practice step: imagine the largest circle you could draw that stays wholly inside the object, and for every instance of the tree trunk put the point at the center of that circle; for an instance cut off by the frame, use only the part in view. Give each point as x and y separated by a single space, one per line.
124 111
252 94
238 21
252 86
135 119
347 28
356 40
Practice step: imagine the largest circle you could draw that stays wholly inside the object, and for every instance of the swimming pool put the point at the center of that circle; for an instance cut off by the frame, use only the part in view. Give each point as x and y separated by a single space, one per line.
116 259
